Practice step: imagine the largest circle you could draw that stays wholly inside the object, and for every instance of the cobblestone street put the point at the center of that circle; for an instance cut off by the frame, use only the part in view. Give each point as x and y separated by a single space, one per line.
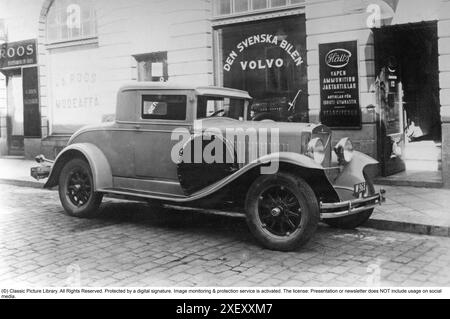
130 244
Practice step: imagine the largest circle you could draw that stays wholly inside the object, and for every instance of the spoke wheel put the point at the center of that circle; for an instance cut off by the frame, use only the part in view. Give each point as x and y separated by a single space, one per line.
79 187
279 211
282 211
76 189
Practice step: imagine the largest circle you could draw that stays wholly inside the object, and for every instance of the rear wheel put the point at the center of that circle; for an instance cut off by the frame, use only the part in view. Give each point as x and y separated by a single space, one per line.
356 220
76 189
282 211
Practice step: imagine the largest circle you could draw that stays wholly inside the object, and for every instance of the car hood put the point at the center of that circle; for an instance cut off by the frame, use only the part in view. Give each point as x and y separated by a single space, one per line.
292 137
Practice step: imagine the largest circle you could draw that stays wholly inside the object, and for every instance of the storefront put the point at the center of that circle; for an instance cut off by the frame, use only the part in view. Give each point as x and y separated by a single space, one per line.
89 49
22 123
377 71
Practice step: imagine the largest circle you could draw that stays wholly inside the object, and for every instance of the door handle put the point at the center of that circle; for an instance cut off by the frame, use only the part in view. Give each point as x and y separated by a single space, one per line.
137 126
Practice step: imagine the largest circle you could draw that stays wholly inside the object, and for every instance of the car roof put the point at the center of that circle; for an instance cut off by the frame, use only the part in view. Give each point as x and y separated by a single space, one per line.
199 90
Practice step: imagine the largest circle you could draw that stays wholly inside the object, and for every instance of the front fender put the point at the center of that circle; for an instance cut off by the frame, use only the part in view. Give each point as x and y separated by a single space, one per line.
353 173
100 168
288 157
302 165
268 164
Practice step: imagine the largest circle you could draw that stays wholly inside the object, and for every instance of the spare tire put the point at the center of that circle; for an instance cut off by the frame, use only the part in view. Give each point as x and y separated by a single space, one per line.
196 171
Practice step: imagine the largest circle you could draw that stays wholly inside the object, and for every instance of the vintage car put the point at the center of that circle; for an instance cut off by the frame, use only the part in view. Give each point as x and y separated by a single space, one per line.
195 148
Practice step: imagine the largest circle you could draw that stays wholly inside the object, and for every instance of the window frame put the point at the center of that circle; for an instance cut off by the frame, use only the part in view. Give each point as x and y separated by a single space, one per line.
82 39
148 117
142 60
269 8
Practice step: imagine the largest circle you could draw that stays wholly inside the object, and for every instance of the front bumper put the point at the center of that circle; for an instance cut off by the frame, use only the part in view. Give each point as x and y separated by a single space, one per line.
351 207
40 172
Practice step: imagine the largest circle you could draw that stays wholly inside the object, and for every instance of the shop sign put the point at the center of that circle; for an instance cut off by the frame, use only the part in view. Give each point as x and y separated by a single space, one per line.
268 60
31 114
339 85
75 91
261 64
16 54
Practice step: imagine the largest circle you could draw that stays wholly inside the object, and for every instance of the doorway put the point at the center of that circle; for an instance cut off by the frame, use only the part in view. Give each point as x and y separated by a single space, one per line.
409 53
15 117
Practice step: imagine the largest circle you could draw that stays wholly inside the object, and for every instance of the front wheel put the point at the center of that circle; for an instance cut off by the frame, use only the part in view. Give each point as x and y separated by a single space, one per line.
76 189
282 211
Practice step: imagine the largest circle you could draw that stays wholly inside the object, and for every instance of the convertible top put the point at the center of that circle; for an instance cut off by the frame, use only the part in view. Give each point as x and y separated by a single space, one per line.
199 90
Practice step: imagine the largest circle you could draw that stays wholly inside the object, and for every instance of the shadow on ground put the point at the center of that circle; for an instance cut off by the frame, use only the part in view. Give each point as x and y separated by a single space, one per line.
212 225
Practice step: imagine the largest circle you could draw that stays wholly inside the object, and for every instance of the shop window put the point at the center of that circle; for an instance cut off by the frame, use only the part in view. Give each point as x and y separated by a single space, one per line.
152 66
267 58
230 7
164 107
71 20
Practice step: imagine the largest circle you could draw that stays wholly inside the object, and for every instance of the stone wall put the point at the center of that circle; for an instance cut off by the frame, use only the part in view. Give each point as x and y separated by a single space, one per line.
335 21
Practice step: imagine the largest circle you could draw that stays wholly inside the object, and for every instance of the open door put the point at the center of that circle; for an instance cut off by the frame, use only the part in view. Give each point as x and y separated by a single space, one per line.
391 130
389 94
407 86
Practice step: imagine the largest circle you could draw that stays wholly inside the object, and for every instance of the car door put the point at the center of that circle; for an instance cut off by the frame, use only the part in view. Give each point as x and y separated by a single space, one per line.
161 113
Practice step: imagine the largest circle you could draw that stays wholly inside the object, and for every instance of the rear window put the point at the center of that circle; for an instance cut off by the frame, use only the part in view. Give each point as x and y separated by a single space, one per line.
164 107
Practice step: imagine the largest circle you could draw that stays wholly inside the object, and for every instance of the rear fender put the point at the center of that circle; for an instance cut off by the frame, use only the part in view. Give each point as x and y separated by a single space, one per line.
100 168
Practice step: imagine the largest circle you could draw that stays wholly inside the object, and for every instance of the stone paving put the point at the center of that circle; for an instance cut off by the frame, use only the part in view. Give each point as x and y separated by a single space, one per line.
131 244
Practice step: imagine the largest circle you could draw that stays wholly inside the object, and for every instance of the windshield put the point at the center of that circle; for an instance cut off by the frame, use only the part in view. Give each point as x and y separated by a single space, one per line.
213 106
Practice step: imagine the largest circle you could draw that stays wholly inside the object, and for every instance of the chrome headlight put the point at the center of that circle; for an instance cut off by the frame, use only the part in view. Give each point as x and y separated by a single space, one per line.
316 150
344 151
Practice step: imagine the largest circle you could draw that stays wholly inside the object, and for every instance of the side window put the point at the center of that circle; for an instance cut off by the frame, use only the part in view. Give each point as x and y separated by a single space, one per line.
164 107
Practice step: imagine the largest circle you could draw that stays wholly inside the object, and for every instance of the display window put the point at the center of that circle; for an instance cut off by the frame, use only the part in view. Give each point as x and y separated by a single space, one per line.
267 58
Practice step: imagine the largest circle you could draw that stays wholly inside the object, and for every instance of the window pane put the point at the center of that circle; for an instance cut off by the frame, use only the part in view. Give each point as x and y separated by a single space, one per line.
164 107
220 107
272 75
155 108
224 7
259 4
278 3
240 5
71 20
52 32
297 1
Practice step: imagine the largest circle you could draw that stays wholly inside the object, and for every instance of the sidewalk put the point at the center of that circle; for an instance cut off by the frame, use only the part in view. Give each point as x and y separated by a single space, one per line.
16 171
407 209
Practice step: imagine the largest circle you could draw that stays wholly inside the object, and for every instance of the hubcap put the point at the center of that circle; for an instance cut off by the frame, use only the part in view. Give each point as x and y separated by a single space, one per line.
279 211
276 212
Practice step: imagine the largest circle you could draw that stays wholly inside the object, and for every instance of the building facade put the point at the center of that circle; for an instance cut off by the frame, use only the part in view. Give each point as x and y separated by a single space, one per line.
377 71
